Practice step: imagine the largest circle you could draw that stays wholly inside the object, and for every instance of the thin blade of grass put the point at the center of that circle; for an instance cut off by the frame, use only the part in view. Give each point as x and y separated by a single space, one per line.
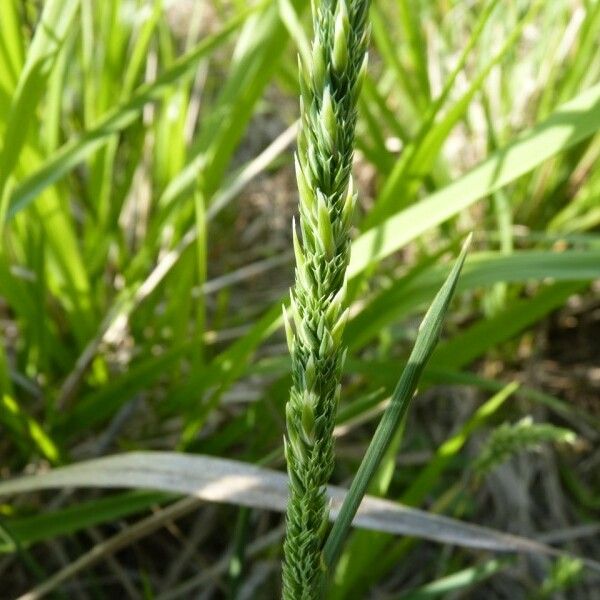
429 332
427 477
568 125
233 482
457 582
482 269
11 46
411 21
26 430
48 39
31 529
117 119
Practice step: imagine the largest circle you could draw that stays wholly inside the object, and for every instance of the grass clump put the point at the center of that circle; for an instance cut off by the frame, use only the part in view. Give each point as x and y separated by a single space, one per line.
146 192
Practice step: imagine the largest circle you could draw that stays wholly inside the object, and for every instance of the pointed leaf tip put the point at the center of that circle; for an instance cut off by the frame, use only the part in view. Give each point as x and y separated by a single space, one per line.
467 244
427 338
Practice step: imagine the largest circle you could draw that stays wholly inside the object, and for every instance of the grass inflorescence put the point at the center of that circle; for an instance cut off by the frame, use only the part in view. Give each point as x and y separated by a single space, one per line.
330 85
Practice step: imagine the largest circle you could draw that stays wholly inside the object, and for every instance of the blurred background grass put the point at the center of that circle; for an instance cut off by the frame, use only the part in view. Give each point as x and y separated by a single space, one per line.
146 198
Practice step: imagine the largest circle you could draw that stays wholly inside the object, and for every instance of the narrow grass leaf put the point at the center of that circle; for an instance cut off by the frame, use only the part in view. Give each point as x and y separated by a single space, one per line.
428 476
44 526
233 482
568 125
49 36
457 582
26 429
488 332
482 269
11 47
74 152
429 332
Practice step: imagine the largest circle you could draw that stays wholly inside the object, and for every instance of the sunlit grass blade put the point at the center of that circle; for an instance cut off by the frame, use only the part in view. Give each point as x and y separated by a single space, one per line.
428 476
568 125
50 34
117 119
223 480
411 22
457 582
11 49
26 430
390 56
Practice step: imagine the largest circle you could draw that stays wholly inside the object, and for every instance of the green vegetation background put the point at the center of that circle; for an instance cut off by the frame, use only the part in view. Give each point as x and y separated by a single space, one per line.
146 197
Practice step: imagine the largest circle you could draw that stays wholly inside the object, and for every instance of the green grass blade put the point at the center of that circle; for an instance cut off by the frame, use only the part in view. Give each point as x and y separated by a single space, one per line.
569 125
411 19
11 46
46 44
74 152
290 18
432 471
390 56
223 480
587 40
429 332
482 269
49 525
457 582
202 266
488 332
26 430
